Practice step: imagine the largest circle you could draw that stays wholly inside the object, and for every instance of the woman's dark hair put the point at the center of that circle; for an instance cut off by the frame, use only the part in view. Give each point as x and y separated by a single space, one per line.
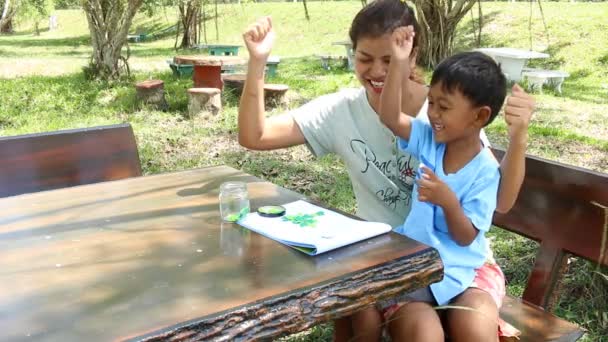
384 16
476 76
380 17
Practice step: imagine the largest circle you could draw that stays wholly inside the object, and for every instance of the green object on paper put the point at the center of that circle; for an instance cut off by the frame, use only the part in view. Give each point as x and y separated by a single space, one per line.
304 220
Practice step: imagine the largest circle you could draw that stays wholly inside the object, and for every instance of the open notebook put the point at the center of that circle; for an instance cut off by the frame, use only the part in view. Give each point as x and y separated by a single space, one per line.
312 229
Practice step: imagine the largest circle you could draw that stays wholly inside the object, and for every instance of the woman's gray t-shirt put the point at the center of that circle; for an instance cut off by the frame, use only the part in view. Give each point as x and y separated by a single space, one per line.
382 176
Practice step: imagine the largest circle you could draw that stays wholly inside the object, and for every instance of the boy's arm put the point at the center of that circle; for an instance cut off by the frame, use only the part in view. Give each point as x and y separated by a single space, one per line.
432 189
398 72
466 216
518 111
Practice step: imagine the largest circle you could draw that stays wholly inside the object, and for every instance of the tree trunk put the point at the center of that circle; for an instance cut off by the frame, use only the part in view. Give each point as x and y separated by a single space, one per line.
189 13
109 22
438 20
6 20
306 10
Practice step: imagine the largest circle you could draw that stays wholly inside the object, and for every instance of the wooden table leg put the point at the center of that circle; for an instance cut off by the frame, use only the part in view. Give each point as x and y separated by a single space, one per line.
207 76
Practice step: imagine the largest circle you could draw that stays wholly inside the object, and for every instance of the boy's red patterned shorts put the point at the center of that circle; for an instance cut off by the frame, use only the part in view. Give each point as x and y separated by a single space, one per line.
488 278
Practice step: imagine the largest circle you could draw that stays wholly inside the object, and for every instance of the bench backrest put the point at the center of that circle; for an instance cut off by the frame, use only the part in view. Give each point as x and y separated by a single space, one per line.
45 161
564 208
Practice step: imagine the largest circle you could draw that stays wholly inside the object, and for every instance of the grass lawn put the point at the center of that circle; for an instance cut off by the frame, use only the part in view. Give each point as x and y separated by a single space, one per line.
42 89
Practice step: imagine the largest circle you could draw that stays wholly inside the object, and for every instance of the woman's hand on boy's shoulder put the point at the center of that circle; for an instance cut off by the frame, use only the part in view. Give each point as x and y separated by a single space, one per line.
518 112
259 38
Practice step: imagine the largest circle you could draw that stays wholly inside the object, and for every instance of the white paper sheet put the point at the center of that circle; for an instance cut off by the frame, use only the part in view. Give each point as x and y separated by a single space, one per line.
312 229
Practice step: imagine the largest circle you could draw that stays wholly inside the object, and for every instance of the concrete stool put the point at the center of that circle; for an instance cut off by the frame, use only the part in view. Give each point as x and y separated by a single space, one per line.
152 92
274 94
204 101
536 79
234 83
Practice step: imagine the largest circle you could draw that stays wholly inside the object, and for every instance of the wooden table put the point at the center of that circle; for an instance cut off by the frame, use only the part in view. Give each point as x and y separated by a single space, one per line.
512 61
348 45
208 69
149 259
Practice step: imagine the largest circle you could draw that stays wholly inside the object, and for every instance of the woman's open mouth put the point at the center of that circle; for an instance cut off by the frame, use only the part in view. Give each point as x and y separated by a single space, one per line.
376 86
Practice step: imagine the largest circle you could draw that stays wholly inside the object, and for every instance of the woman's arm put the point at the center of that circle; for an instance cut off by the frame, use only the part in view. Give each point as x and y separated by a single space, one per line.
255 131
518 111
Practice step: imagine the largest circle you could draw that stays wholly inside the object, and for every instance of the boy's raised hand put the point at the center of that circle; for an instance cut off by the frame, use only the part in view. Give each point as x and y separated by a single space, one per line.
402 40
432 189
259 38
518 111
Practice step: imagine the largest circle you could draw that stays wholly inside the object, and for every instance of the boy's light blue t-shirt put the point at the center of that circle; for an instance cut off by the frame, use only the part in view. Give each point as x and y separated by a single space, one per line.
476 186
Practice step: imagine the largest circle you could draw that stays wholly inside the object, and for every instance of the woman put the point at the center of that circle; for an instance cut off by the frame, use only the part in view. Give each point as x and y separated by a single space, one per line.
346 123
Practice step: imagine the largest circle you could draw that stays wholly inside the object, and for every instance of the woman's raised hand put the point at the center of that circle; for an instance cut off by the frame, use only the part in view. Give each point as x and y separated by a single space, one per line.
259 38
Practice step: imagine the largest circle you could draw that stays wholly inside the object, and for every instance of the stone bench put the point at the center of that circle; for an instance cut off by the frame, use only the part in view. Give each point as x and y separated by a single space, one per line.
327 59
537 78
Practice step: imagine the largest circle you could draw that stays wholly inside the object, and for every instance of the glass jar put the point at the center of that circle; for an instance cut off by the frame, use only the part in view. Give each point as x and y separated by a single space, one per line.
234 201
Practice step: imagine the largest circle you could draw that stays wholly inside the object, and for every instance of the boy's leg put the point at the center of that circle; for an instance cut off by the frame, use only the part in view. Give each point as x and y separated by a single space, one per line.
416 321
342 329
367 325
479 324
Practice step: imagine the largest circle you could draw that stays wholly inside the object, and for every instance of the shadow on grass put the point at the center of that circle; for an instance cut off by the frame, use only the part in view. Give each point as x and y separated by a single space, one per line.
48 42
465 38
139 50
573 88
75 96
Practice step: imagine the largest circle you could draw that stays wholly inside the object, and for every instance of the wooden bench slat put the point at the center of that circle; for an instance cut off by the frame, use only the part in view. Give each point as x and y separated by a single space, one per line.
550 262
45 161
563 208
535 324
555 203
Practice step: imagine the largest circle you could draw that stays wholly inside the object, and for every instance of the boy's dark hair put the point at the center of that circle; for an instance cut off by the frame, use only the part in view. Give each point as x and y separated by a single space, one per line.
476 76
380 17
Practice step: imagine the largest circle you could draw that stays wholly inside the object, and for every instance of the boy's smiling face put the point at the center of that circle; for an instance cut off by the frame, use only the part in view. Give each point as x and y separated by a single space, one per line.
452 115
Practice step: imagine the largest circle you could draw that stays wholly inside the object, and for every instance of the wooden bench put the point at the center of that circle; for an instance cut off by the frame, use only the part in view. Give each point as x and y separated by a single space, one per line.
136 38
271 66
180 70
537 78
564 208
45 161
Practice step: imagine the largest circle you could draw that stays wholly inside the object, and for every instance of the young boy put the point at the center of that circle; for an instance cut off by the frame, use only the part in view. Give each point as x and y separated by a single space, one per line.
455 195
